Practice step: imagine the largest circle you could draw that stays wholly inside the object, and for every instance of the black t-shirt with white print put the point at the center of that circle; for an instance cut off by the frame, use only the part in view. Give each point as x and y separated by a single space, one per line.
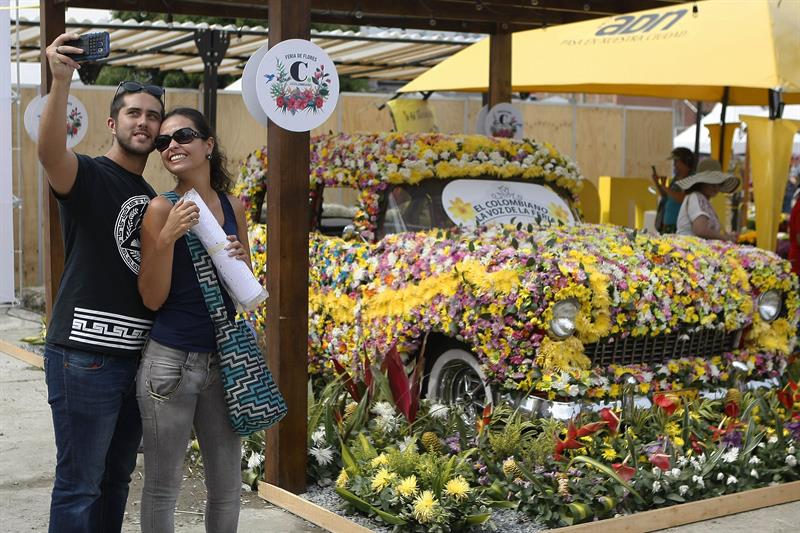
98 307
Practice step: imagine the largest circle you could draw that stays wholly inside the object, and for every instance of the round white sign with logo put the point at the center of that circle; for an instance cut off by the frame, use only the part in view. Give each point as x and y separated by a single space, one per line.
297 85
77 119
504 120
249 82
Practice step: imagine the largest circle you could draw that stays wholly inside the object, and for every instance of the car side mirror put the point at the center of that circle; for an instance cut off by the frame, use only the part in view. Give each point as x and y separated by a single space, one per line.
349 232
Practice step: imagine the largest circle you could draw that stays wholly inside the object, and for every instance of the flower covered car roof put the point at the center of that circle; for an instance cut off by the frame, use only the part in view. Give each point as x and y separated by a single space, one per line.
538 303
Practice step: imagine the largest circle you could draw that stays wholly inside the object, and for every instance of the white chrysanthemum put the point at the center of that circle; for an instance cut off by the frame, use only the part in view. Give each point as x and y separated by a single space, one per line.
699 481
731 455
656 486
407 441
753 473
318 437
683 489
772 440
323 456
656 471
790 450
731 480
791 460
720 476
384 409
754 460
675 472
255 460
439 411
386 423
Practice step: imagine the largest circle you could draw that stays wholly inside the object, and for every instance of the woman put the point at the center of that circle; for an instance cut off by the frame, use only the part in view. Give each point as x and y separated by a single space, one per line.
697 216
179 384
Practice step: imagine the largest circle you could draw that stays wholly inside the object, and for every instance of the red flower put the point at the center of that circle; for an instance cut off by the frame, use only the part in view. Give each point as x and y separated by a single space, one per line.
318 102
573 434
279 101
624 471
610 418
732 409
661 460
668 402
695 444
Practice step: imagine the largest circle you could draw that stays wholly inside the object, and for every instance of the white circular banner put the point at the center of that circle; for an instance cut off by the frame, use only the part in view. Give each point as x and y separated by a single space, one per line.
77 119
480 125
297 85
249 82
504 120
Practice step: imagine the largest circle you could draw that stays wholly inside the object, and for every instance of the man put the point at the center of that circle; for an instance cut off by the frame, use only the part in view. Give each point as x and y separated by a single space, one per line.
99 324
683 163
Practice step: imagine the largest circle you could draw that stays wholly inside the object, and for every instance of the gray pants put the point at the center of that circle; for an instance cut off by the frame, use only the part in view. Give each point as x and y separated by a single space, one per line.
177 390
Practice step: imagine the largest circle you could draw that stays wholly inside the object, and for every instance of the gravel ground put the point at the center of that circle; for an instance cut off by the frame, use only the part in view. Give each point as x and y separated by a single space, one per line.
505 520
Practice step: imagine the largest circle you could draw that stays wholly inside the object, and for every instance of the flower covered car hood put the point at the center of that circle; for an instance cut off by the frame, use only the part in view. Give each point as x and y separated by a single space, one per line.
671 311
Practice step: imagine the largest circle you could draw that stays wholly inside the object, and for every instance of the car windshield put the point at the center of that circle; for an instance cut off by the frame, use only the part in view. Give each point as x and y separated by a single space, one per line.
437 203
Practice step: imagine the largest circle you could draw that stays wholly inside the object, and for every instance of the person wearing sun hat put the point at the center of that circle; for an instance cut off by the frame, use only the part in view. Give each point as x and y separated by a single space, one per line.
696 216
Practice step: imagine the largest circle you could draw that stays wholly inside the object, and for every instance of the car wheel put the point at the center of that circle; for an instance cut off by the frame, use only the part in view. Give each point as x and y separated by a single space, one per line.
457 378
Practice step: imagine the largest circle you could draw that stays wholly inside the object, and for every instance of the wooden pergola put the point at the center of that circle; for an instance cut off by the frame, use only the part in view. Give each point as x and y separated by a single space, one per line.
288 153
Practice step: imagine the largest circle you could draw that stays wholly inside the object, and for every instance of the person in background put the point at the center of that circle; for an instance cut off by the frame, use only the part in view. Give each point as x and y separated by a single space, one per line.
179 385
696 215
683 162
98 324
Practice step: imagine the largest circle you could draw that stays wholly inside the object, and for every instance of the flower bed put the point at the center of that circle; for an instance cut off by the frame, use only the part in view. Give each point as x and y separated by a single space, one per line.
432 470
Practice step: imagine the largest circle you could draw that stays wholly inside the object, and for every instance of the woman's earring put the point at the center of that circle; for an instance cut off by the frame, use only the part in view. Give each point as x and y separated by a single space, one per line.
208 156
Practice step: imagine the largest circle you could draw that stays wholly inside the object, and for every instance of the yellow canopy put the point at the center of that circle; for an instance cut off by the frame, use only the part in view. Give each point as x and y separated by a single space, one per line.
749 46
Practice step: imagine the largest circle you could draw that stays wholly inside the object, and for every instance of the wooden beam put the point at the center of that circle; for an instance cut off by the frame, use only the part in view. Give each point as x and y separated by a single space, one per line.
310 511
499 68
51 18
22 354
287 267
687 513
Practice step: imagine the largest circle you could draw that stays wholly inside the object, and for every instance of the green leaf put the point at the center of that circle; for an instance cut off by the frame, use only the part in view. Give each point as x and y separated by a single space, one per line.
477 518
349 460
504 504
607 471
675 497
369 508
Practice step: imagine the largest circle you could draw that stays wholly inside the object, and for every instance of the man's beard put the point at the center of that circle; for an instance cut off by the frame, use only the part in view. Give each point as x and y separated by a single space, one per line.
126 145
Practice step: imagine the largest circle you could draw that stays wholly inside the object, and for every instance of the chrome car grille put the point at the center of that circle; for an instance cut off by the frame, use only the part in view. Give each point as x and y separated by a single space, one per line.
653 350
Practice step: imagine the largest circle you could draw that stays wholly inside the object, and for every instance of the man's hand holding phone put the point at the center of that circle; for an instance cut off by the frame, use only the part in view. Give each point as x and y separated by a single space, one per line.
61 65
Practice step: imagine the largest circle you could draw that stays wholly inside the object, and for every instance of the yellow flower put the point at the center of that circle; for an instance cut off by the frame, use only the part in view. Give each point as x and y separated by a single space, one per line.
407 487
457 487
462 210
609 454
425 507
343 478
382 479
380 460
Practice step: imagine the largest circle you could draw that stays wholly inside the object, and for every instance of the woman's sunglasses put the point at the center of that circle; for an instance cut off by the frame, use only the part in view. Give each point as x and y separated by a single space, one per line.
136 87
181 136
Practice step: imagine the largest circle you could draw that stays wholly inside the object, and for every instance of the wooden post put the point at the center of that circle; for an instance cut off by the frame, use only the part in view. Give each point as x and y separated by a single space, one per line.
499 68
51 20
287 271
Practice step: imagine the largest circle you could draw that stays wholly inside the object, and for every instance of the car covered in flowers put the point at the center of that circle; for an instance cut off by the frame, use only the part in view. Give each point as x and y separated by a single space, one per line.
474 247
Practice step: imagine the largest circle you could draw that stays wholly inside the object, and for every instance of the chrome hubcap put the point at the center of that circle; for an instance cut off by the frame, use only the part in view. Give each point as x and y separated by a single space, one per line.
460 384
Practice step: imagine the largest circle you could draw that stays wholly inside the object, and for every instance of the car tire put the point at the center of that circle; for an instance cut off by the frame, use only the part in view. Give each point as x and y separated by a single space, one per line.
457 378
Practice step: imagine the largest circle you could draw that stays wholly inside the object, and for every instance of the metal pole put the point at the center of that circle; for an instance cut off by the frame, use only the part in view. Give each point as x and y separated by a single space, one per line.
212 45
725 97
697 123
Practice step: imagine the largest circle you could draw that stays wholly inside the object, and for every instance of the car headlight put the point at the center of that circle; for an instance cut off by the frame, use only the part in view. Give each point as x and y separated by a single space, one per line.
769 305
563 323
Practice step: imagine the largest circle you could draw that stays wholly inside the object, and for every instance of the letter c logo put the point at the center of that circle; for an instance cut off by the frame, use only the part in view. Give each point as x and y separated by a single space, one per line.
294 70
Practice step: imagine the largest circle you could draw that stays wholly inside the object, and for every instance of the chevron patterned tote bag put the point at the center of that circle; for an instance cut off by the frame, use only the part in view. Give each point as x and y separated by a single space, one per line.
253 399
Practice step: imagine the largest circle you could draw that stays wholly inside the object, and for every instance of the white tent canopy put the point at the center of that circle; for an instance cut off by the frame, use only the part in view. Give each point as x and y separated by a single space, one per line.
686 138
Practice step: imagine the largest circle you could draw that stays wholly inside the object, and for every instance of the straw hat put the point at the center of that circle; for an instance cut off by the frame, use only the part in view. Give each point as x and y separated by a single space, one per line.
710 171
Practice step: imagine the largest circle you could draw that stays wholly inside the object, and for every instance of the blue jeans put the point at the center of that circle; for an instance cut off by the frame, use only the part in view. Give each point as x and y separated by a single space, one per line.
97 430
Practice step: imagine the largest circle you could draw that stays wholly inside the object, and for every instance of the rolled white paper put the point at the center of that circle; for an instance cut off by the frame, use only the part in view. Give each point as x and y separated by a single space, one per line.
240 282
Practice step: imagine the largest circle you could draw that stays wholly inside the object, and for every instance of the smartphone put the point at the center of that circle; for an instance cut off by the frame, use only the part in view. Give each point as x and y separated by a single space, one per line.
95 46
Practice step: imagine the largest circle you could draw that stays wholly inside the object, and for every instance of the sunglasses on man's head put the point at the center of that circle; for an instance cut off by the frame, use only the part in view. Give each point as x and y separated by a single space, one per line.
181 136
136 87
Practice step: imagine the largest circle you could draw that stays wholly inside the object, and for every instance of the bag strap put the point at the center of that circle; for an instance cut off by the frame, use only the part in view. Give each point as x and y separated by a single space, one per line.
206 275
